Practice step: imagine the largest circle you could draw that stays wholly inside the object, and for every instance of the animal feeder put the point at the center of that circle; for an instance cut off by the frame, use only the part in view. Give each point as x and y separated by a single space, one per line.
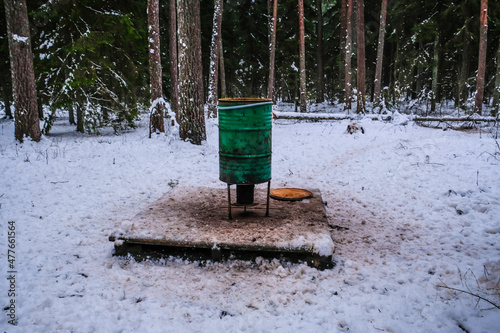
245 147
177 224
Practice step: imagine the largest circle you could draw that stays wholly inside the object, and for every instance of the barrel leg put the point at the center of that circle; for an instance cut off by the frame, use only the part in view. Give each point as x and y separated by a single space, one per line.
230 217
268 194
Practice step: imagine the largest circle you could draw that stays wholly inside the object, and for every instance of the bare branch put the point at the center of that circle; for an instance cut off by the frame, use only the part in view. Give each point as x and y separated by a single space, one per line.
469 293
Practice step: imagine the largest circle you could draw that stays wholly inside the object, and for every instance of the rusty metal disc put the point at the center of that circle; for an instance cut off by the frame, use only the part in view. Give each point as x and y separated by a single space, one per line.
290 194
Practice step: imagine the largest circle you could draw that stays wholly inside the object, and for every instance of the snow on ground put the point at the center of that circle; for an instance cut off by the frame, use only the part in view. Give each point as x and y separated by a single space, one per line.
412 208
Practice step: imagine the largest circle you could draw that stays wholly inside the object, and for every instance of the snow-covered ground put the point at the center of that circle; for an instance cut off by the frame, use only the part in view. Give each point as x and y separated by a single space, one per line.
413 208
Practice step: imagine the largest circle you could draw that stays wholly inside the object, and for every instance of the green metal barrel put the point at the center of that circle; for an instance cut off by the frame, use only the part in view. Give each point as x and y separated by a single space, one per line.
245 126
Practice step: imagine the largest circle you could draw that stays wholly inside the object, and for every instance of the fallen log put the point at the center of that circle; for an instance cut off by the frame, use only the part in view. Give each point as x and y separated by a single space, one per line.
327 116
456 119
384 117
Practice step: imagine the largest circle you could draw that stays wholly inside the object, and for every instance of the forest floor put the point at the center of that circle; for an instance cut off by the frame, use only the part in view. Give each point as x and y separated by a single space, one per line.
417 233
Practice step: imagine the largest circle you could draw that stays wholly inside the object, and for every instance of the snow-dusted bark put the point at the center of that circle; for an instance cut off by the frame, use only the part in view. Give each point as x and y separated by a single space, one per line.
380 55
361 79
173 59
319 52
191 114
213 78
155 71
272 49
481 67
435 73
302 58
348 56
23 75
464 68
343 29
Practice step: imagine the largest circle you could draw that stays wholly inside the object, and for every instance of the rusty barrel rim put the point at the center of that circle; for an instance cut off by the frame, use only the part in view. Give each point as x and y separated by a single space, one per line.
235 101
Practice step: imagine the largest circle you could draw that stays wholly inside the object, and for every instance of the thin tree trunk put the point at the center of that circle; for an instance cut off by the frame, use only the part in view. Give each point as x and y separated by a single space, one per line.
272 50
222 71
71 115
174 103
343 29
496 91
7 93
464 70
420 66
302 56
361 79
155 71
348 56
213 80
481 67
191 113
435 74
319 53
380 56
80 119
27 122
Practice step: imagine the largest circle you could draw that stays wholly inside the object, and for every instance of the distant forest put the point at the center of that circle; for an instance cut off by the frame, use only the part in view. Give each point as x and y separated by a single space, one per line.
94 54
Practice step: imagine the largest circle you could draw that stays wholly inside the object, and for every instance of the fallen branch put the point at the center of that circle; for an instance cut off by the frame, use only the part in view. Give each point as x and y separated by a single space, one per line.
469 293
325 116
446 119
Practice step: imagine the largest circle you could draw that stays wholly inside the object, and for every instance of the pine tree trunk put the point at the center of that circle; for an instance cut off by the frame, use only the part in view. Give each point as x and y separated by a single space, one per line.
343 29
174 103
23 76
348 56
213 79
380 56
361 79
435 74
272 50
222 71
302 57
155 71
191 113
481 67
496 91
319 52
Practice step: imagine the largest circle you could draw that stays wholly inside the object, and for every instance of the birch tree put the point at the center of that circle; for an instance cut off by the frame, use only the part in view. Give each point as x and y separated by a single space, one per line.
22 71
191 114
213 79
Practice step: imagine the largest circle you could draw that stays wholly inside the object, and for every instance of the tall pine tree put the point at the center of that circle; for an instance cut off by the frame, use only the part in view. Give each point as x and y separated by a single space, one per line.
191 113
23 74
